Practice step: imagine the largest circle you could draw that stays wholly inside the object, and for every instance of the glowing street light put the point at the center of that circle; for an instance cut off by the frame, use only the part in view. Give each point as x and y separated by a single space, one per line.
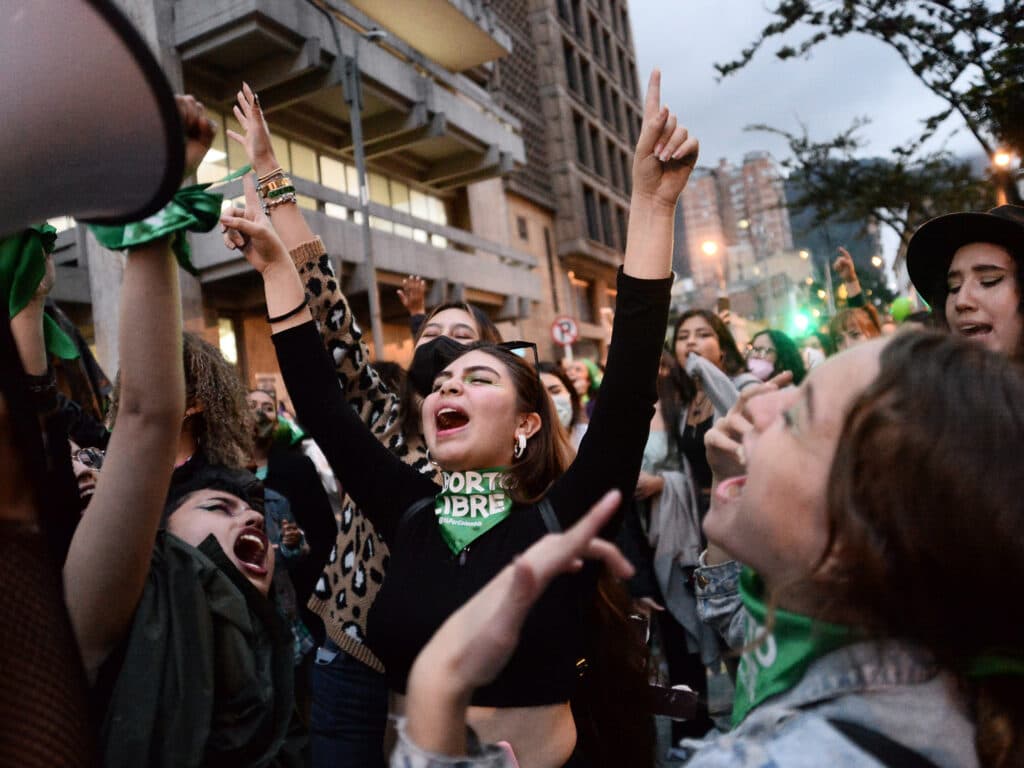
1002 159
821 293
876 261
743 224
805 255
709 247
809 281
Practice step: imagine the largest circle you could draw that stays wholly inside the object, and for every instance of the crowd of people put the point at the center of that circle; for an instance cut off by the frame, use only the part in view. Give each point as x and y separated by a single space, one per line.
446 565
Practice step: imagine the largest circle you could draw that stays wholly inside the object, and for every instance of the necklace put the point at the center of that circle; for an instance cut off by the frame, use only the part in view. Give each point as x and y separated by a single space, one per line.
700 409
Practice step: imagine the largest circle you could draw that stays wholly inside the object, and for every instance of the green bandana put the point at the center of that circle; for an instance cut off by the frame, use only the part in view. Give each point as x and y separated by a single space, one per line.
22 267
470 504
779 661
192 209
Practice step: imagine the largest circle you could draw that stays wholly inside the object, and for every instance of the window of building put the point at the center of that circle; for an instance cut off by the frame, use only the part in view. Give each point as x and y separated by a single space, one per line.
564 12
521 229
606 223
579 127
613 166
588 86
303 161
380 193
583 298
590 208
595 37
571 75
616 117
620 216
227 342
627 172
606 44
595 147
624 24
577 19
400 202
606 108
623 70
632 78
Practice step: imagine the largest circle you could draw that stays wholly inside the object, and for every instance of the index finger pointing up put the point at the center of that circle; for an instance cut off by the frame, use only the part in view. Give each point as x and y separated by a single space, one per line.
652 103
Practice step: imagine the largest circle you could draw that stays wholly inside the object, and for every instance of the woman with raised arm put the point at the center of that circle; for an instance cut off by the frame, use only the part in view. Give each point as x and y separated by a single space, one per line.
491 428
349 691
850 653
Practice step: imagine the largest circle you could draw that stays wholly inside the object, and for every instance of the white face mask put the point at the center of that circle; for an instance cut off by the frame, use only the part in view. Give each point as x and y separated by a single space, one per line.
813 357
563 407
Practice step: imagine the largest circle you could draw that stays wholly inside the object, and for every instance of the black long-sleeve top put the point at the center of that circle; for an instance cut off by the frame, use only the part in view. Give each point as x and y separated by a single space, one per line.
425 582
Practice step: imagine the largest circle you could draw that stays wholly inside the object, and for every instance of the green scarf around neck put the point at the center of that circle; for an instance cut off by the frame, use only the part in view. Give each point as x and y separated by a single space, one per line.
470 504
775 661
22 268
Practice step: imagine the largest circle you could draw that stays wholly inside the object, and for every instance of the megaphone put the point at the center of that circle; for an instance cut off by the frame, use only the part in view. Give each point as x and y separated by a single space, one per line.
90 127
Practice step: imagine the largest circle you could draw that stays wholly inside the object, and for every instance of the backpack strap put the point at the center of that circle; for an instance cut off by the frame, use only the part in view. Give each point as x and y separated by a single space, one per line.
888 752
547 514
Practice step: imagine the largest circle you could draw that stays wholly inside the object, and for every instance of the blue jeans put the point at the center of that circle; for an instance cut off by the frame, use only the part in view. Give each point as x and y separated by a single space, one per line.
350 711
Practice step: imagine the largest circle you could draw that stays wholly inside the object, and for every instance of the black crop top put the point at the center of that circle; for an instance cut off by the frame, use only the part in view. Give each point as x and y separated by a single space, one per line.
425 583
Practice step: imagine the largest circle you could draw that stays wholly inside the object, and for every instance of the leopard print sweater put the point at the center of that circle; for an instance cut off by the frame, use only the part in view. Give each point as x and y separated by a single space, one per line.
359 559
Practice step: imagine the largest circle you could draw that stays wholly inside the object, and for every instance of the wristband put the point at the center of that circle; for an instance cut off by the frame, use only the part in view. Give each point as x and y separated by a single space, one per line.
289 313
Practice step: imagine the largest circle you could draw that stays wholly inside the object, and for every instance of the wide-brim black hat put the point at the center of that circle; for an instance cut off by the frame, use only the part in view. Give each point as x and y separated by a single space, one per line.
932 246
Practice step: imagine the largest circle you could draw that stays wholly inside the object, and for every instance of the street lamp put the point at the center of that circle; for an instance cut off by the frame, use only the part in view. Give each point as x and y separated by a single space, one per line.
876 261
709 247
1005 177
354 98
805 255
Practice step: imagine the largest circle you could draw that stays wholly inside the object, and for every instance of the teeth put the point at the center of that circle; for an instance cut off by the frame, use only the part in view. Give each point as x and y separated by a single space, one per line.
445 411
254 539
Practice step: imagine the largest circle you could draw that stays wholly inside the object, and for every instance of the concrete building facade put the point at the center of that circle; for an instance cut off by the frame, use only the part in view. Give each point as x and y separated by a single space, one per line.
431 133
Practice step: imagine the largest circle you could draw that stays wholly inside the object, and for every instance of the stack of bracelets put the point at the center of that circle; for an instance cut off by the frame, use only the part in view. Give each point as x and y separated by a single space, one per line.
275 189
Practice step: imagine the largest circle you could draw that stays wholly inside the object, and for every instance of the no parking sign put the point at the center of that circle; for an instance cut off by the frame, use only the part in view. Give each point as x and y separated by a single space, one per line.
564 331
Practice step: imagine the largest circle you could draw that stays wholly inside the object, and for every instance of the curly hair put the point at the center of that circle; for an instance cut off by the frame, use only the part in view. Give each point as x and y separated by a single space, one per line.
223 428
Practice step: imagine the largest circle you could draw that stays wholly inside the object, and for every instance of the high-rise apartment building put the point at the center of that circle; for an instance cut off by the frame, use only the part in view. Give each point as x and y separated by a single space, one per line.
590 111
735 217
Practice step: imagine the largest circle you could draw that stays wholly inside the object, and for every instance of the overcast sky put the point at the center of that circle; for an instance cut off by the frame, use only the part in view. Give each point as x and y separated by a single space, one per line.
843 79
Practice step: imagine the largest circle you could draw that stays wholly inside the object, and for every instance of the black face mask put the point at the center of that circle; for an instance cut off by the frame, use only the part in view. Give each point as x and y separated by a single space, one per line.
264 426
429 360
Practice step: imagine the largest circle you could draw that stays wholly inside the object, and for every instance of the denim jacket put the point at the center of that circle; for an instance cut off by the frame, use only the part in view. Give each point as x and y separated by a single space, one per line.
889 687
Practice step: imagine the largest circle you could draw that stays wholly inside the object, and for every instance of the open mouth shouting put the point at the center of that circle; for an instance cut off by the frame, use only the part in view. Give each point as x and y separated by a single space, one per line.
449 419
251 548
974 330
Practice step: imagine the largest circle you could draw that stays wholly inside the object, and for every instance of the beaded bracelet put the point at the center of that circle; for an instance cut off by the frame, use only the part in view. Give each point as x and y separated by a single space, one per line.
274 189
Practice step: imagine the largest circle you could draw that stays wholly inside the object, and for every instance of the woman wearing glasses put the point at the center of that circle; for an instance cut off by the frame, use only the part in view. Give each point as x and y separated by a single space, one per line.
773 352
86 464
491 428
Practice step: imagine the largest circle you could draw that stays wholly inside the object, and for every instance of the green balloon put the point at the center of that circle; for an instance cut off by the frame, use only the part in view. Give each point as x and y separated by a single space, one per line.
901 307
